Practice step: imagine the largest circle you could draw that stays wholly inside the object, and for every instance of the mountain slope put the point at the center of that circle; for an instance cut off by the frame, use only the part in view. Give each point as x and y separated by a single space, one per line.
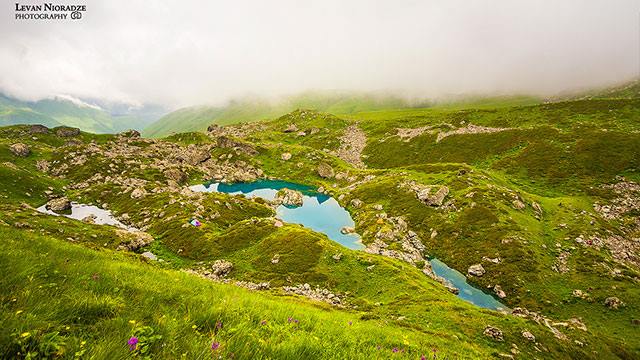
77 113
254 109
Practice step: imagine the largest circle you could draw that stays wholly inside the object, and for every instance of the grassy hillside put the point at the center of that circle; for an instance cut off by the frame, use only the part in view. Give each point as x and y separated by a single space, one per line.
66 290
254 109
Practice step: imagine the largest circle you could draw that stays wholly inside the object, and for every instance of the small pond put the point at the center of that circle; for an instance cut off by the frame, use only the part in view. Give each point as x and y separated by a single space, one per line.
467 292
319 212
81 211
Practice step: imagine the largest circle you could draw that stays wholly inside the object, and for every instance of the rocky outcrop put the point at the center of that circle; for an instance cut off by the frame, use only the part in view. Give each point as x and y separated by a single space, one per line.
325 171
130 134
133 240
59 204
221 268
175 175
239 146
38 129
66 131
613 302
288 197
529 336
20 149
429 194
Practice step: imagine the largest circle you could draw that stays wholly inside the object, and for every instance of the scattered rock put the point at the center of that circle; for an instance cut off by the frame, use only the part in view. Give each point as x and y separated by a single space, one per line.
493 332
356 203
476 270
498 290
275 259
337 257
469 129
291 128
20 149
317 294
519 205
285 156
149 255
227 142
59 204
138 193
347 230
90 219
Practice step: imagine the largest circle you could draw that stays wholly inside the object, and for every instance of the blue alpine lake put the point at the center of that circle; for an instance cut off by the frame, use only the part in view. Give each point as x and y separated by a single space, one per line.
319 212
324 214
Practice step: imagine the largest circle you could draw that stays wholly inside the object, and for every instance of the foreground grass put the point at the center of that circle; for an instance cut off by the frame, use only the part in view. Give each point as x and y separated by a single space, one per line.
60 299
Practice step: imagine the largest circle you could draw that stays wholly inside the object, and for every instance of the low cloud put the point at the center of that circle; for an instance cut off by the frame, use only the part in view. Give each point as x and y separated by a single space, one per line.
181 53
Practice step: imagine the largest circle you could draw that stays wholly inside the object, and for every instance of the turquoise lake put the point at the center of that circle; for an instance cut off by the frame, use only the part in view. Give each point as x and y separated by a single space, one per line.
467 292
323 214
319 212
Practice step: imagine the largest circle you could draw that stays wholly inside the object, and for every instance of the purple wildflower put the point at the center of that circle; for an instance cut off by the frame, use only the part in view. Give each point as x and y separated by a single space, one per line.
395 350
215 345
350 323
133 342
263 322
378 347
218 325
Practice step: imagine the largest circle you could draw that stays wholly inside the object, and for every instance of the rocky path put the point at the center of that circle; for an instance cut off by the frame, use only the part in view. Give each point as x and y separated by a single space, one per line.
352 144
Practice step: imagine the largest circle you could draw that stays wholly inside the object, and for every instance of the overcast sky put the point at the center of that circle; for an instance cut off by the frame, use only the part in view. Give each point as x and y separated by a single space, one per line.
181 53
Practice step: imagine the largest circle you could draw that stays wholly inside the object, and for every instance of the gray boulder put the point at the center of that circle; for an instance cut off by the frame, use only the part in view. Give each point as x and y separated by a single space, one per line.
476 270
20 149
59 204
221 268
325 171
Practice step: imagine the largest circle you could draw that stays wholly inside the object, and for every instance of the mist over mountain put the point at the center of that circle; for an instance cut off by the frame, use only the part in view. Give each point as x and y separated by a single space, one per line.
89 115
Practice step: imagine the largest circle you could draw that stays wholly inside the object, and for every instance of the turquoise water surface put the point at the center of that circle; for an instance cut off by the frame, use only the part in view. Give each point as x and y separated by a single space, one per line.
467 292
319 212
